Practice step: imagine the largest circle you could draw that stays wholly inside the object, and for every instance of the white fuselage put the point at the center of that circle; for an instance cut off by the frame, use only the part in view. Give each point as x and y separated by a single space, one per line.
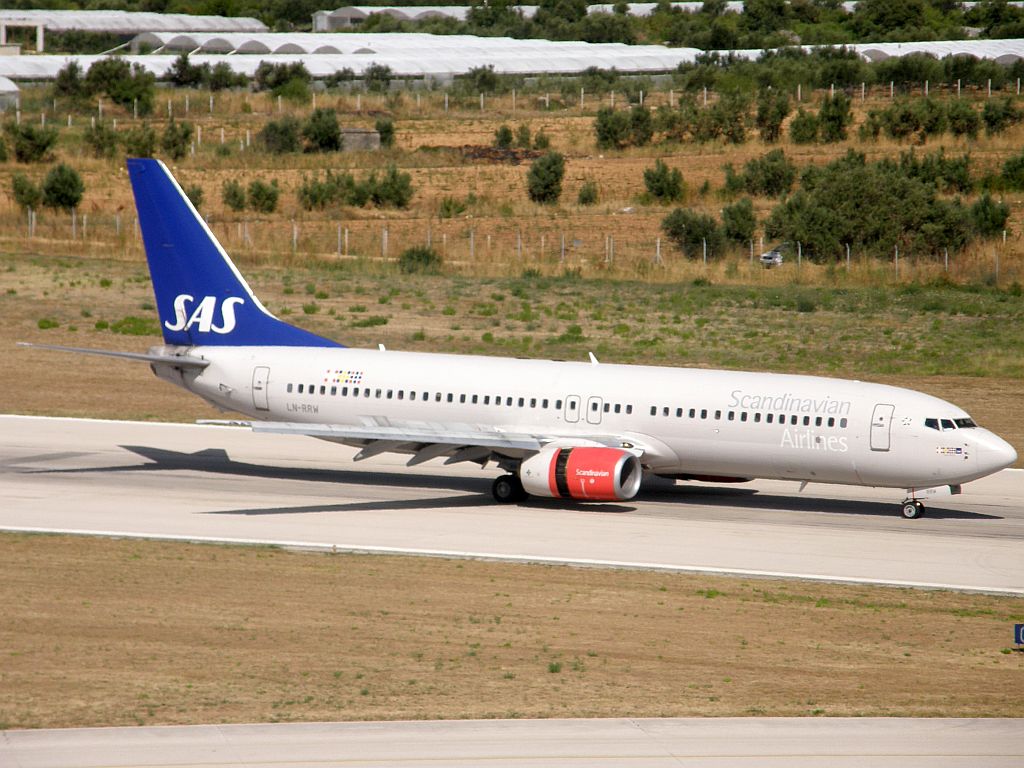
690 422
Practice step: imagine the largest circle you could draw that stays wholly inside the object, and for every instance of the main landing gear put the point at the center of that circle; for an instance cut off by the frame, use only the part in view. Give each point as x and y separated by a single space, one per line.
912 509
508 489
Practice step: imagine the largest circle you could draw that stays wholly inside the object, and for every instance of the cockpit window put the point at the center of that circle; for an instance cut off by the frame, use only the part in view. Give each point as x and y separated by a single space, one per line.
931 423
965 423
948 424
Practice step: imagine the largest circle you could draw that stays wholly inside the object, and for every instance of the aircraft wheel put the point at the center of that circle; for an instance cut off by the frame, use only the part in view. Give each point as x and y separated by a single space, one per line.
911 510
508 489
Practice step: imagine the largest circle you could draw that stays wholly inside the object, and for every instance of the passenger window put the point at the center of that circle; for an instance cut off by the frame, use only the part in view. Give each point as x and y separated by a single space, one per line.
654 410
300 388
366 392
544 403
323 389
703 413
391 393
508 401
693 412
769 417
664 411
794 419
377 393
679 413
344 391
629 409
618 408
533 402
487 399
607 407
311 389
289 387
401 394
732 415
718 415
807 421
475 399
842 423
558 405
522 401
426 396
462 398
334 391
831 421
437 397
451 398
743 416
757 418
817 421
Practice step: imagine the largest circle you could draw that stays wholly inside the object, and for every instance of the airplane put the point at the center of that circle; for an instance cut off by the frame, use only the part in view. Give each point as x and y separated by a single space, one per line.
583 431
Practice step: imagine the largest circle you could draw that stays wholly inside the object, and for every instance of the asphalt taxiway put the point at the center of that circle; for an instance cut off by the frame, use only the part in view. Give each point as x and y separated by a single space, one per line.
227 484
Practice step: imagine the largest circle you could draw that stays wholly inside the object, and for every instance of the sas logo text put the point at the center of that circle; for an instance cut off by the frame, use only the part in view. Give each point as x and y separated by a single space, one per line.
203 315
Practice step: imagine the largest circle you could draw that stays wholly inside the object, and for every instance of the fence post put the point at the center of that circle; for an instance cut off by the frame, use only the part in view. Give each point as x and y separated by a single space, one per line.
671 98
562 254
211 103
339 239
704 242
481 101
863 92
444 244
513 101
519 244
346 241
799 93
897 260
186 104
384 243
892 89
958 87
832 91
657 250
117 224
581 99
926 89
706 95
847 257
946 258
472 244
990 88
445 103
74 223
295 236
799 254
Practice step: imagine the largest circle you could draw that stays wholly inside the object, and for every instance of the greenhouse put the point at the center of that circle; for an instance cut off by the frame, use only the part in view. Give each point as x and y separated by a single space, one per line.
127 23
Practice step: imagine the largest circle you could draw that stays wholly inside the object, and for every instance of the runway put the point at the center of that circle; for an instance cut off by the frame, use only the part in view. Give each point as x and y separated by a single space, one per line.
220 483
693 742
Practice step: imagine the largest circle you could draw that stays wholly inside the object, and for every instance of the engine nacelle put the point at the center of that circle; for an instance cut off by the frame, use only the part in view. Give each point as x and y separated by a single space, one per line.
590 473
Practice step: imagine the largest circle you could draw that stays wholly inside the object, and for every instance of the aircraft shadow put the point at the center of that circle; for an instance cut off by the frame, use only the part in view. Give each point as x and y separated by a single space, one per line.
217 461
750 498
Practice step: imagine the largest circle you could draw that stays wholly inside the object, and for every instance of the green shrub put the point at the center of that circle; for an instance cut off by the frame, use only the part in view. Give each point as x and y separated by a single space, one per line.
664 184
101 139
281 136
771 175
377 78
641 126
176 139
386 130
322 132
135 326
419 259
803 129
270 77
26 194
963 119
833 118
233 195
263 196
126 85
690 230
195 195
31 143
503 137
450 207
611 128
999 114
140 142
541 141
393 189
544 179
523 138
989 216
370 322
588 193
739 221
46 323
63 188
772 110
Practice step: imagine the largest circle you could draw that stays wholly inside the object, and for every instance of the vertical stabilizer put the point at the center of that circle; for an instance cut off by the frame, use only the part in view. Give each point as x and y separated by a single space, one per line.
200 295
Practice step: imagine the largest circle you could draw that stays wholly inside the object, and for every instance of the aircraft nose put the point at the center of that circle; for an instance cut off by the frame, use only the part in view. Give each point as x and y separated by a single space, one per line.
995 454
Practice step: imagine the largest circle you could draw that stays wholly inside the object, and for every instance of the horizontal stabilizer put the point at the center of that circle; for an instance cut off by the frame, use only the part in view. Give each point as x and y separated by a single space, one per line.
179 361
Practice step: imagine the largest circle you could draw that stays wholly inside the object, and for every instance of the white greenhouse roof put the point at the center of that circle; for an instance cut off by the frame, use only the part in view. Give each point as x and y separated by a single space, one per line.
444 56
8 86
129 23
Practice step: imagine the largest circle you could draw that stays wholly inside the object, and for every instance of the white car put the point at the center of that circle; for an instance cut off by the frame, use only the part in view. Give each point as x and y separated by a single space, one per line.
772 258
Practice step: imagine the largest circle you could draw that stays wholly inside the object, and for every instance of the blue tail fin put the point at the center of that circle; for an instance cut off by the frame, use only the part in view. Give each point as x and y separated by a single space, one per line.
200 295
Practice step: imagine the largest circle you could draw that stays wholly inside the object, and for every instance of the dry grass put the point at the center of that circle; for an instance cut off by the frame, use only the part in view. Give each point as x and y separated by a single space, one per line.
97 632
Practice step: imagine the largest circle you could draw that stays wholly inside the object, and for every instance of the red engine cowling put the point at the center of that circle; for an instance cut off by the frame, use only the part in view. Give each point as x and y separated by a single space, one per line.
593 474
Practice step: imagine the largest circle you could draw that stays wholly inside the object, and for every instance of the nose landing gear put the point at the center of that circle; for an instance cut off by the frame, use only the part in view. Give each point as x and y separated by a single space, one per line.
911 509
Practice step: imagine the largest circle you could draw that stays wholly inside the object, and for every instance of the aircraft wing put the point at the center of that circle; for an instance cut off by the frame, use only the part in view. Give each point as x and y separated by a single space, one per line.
457 442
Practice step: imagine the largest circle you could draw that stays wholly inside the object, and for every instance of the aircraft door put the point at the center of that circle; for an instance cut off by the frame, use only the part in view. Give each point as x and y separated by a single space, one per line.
594 410
260 380
572 408
881 426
